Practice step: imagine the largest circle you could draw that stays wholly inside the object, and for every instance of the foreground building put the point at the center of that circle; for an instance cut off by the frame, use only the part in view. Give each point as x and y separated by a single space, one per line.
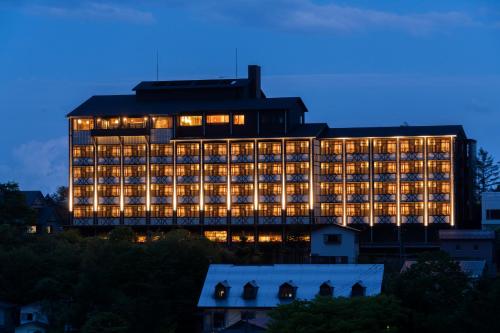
490 210
220 158
237 298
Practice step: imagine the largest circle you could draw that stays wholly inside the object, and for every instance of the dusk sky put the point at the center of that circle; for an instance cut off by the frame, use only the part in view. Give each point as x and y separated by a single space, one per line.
354 63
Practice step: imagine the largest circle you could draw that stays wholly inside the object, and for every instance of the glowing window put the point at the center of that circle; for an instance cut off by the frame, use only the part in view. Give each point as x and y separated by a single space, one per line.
162 122
218 119
239 119
83 124
216 236
187 121
269 237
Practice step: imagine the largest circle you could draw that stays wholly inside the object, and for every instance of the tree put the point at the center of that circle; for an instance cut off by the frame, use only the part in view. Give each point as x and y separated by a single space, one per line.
487 173
13 207
105 322
433 289
343 315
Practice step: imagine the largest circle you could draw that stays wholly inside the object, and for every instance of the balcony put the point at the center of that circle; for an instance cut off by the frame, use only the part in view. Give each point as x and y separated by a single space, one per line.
297 157
83 181
242 178
384 156
215 159
384 177
242 199
330 158
412 197
439 176
385 219
134 160
358 220
269 178
242 158
99 132
215 220
357 198
161 159
215 199
438 156
162 221
162 179
108 160
188 199
270 198
297 178
439 197
242 220
297 220
270 158
357 157
439 219
412 219
384 197
188 179
328 220
411 156
82 161
134 200
109 200
188 159
134 180
215 179
357 178
332 198
269 220
297 198
161 200
412 176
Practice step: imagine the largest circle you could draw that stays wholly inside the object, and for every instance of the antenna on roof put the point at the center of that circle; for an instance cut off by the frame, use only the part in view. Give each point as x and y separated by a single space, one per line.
156 64
236 62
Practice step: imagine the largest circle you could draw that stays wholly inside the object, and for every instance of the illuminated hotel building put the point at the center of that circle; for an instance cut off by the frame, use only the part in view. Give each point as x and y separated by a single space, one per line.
221 158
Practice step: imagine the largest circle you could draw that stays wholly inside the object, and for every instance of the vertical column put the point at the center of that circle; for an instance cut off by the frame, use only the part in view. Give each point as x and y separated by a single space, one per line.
122 199
201 204
228 189
344 188
283 177
255 179
370 172
311 190
70 173
174 182
398 182
148 181
452 181
95 181
426 174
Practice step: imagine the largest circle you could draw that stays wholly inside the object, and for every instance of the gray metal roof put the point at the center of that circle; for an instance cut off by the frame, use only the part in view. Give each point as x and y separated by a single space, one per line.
307 277
466 234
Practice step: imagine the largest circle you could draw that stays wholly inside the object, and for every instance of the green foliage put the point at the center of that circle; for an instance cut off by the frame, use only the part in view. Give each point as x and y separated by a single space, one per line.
487 172
153 286
105 322
13 208
433 289
343 315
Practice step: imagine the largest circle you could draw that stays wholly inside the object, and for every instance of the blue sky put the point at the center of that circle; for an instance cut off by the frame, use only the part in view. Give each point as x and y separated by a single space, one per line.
355 63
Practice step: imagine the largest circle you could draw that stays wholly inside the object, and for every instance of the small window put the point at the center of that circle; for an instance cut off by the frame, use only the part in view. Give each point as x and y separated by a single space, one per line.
239 119
493 214
287 290
218 119
332 238
221 290
250 290
31 229
188 121
326 289
358 290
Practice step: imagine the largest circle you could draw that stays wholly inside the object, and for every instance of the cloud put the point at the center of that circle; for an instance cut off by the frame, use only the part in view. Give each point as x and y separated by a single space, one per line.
38 165
94 11
308 16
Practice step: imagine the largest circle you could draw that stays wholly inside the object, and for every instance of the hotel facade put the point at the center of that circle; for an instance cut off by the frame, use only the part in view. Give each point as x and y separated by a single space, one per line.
221 158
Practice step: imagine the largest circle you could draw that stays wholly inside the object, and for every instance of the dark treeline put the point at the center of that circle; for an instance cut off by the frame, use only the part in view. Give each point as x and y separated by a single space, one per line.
108 285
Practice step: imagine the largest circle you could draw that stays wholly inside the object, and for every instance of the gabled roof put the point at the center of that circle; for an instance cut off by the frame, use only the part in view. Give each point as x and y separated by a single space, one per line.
33 197
354 132
307 277
130 105
191 84
466 234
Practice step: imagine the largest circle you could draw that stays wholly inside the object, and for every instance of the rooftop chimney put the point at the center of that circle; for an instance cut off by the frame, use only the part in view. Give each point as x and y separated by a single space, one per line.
254 77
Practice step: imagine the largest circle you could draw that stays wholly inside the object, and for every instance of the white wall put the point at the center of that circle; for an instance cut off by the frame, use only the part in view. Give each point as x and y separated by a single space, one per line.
489 200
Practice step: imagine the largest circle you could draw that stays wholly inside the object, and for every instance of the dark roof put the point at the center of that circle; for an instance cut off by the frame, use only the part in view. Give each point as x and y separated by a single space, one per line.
466 234
308 130
129 105
193 84
394 131
32 196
